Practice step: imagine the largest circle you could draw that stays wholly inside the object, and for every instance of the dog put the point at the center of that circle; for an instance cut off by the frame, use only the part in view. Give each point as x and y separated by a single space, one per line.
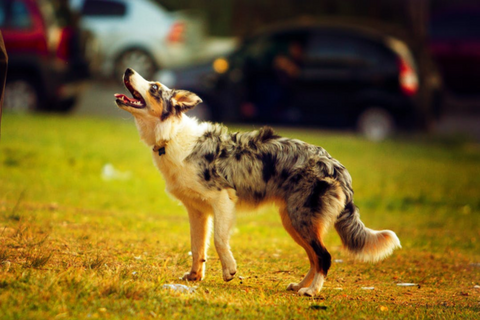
214 172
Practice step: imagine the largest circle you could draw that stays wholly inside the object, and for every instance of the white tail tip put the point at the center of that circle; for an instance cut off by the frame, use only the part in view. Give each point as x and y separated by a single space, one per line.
378 245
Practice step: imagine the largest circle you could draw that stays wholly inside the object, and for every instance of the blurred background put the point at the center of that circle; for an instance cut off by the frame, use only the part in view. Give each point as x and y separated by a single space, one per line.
375 66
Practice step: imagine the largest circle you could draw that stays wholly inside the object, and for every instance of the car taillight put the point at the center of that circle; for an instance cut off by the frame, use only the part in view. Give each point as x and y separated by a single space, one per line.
63 47
408 78
177 32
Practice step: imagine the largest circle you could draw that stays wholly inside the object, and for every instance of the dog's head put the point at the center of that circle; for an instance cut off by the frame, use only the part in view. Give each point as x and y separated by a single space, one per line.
153 99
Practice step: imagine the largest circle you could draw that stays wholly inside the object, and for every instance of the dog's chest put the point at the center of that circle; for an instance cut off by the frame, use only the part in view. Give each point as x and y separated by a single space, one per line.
180 178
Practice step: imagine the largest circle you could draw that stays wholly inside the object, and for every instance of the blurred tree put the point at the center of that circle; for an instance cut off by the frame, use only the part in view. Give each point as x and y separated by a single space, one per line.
242 17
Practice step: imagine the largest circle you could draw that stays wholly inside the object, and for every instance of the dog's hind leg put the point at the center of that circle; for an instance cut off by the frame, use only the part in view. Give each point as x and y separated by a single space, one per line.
320 260
223 220
310 216
287 224
200 233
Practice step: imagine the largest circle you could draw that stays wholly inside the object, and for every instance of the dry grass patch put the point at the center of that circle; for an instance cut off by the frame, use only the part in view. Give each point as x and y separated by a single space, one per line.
73 245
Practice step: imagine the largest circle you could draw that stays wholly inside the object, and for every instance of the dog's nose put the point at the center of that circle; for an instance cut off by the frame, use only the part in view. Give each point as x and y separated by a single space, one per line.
129 72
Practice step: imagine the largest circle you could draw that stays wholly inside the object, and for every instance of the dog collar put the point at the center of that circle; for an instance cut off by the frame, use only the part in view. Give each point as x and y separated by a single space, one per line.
159 150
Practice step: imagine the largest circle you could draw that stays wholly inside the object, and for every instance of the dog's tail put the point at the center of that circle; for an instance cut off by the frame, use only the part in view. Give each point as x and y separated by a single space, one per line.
364 243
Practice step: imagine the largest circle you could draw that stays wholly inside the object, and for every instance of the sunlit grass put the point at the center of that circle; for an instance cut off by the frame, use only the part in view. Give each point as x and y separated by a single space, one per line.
74 245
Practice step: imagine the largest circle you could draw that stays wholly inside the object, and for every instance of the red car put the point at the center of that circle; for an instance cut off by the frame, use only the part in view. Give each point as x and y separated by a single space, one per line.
47 64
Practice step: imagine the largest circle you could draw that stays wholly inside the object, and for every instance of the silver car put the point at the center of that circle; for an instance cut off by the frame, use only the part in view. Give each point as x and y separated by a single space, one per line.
140 34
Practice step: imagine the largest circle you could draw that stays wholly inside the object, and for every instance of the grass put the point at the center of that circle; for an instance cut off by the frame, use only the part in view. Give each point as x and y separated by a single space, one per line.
74 245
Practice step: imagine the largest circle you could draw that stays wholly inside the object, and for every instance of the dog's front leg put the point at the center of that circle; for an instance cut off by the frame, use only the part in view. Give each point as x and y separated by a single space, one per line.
224 218
200 234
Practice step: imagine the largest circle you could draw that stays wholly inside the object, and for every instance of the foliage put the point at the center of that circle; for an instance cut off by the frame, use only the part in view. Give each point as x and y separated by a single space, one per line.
74 245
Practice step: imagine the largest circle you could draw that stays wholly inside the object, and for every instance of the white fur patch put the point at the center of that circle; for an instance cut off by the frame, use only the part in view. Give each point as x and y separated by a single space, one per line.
378 245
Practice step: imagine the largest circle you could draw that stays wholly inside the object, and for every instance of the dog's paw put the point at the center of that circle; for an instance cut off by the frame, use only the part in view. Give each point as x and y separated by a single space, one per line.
293 287
307 292
192 276
228 274
229 270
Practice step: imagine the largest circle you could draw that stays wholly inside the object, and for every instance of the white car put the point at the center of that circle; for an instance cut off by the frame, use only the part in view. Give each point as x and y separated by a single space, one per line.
140 34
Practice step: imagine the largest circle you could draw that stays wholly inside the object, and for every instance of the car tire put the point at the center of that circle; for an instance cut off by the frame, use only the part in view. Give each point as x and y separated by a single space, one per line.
376 124
137 59
22 94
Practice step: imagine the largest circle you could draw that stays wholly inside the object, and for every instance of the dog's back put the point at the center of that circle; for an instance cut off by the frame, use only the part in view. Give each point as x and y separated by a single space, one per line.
260 164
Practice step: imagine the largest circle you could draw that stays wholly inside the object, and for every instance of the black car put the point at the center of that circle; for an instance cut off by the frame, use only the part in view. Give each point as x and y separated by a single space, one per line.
323 74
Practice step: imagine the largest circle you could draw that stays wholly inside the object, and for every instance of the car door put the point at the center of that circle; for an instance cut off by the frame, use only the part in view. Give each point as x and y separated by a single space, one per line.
333 71
342 70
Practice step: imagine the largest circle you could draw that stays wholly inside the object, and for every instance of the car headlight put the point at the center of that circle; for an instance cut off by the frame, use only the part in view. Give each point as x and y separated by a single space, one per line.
167 78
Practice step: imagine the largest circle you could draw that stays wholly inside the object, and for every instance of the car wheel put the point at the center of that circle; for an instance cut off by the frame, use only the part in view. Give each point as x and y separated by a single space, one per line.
376 124
21 95
138 60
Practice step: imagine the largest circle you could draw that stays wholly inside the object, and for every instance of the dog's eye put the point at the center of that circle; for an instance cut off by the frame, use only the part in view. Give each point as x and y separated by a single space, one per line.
155 87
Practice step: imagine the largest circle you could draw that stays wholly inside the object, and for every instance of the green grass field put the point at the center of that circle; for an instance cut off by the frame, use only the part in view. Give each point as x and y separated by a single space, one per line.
76 246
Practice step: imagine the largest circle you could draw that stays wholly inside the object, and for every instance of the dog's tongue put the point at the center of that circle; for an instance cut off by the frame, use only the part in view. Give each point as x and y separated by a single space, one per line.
125 98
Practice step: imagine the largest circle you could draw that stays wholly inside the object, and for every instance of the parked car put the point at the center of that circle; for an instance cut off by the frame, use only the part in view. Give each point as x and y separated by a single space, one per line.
455 45
314 74
47 67
140 34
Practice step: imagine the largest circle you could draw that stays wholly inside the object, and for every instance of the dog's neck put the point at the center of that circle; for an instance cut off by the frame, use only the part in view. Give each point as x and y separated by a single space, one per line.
159 134
154 132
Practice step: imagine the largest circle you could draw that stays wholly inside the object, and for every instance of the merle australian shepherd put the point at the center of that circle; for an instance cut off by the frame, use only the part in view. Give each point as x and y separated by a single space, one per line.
214 172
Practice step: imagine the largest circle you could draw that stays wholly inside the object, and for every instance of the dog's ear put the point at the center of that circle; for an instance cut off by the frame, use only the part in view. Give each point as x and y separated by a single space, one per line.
184 100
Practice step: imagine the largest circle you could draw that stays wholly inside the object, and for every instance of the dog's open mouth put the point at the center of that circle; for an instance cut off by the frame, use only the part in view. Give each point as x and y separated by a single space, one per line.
136 101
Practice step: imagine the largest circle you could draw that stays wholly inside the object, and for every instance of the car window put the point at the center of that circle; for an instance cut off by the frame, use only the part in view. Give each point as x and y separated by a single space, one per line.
2 13
346 49
103 8
15 15
261 51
